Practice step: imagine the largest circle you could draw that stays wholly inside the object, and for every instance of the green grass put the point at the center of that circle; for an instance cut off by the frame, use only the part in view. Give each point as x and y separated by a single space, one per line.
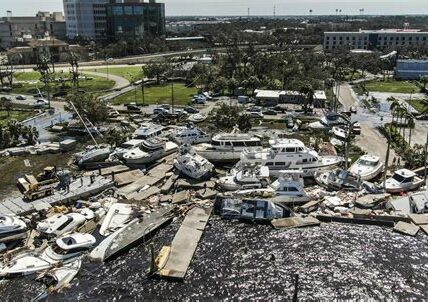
16 115
392 86
131 73
419 105
94 85
27 76
159 95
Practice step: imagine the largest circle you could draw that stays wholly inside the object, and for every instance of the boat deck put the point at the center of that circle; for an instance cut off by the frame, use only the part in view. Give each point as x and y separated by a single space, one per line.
19 206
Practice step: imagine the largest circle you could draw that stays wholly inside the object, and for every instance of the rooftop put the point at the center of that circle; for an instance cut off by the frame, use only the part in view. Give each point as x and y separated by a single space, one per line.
379 31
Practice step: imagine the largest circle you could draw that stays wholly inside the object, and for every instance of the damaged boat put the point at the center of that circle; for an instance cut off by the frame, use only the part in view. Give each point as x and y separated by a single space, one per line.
367 167
59 224
339 180
93 154
60 277
191 164
191 135
403 180
150 151
246 177
12 228
117 216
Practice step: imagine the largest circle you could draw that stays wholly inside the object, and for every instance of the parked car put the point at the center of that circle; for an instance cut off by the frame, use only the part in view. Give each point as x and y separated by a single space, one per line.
270 112
356 129
254 109
165 106
199 100
21 97
190 109
255 114
280 108
160 110
132 107
290 123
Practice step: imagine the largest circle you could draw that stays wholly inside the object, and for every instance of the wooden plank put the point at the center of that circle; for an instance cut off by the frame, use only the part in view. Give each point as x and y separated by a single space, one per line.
139 184
128 177
419 218
295 222
160 170
13 207
139 196
4 210
185 243
107 171
406 228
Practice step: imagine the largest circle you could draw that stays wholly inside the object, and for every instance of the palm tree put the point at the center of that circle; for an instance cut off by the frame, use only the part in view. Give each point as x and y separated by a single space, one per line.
308 91
411 125
424 81
394 108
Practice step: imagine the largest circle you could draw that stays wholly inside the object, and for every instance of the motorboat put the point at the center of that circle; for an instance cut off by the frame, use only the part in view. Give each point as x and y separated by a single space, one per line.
339 136
12 228
191 164
117 216
59 277
93 155
255 210
339 179
148 131
245 178
328 121
197 117
289 154
150 151
125 147
367 167
64 250
414 203
288 188
59 224
403 180
191 135
228 147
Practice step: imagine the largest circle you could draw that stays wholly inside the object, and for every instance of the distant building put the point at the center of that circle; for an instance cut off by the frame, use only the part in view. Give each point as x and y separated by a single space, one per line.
411 69
134 19
85 18
29 54
375 39
275 97
17 30
180 27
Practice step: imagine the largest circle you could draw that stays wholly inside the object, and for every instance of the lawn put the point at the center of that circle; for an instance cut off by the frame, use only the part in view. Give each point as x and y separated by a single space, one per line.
159 95
131 73
392 86
419 105
27 76
16 115
90 85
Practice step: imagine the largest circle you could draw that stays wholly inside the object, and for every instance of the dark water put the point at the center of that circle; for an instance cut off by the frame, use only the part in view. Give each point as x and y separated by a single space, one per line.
234 262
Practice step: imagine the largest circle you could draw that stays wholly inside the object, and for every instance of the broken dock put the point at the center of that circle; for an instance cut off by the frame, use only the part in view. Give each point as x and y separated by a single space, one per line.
174 264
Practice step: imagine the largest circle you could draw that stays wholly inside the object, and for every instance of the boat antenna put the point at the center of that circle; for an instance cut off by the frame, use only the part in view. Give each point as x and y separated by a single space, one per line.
83 122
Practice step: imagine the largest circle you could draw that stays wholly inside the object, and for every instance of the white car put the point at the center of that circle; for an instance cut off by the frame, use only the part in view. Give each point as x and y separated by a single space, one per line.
255 114
21 97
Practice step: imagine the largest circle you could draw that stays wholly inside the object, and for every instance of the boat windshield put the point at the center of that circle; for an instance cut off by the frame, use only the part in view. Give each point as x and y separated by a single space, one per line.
400 178
367 163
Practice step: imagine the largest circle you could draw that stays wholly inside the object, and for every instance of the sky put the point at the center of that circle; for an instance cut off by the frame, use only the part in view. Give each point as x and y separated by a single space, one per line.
239 7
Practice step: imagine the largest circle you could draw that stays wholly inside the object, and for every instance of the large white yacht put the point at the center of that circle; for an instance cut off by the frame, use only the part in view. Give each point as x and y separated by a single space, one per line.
245 178
289 154
228 147
150 151
191 135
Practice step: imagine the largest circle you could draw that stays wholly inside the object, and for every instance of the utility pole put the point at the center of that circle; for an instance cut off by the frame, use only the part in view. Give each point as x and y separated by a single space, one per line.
142 92
248 13
274 11
387 156
172 96
425 160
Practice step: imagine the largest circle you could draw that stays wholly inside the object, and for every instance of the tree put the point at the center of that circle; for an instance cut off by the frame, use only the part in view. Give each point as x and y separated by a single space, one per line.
115 137
227 117
88 107
309 92
156 70
424 81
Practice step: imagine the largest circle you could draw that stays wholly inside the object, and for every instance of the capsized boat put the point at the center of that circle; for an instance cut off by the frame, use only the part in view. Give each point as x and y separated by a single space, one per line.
64 250
403 180
59 224
245 177
256 210
12 228
192 164
367 167
60 277
117 216
339 180
150 151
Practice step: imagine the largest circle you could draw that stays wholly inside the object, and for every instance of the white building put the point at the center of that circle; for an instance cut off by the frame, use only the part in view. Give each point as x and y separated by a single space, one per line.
85 18
375 39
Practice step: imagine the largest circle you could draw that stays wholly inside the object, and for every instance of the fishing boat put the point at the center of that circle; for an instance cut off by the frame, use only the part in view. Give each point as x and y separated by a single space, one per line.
228 147
245 178
197 117
255 210
125 147
117 216
367 167
403 180
289 154
190 135
191 164
339 180
64 250
150 151
59 224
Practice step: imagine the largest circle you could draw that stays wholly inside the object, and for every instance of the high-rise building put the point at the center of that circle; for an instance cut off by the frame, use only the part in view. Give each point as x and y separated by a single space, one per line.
134 18
18 30
85 18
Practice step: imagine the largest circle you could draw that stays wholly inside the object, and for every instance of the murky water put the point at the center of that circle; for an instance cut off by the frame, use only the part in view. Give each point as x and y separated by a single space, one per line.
236 261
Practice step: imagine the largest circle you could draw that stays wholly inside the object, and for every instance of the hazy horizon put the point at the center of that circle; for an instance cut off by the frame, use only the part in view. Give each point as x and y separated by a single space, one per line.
257 7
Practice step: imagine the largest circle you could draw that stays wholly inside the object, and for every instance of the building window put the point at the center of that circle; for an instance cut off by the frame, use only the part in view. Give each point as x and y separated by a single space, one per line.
128 10
117 10
139 10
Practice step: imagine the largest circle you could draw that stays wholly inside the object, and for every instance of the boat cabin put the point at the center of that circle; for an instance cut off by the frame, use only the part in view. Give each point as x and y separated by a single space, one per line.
404 176
148 131
73 243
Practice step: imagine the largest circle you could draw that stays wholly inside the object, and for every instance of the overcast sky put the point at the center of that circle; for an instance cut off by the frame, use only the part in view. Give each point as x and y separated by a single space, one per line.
239 7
